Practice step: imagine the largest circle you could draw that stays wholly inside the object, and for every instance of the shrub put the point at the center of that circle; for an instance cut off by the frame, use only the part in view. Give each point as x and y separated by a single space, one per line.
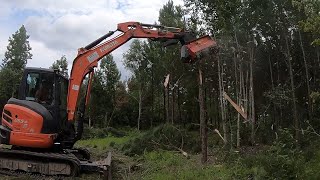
166 137
281 161
90 133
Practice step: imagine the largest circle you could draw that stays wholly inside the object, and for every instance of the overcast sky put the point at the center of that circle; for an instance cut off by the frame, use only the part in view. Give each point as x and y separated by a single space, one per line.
59 27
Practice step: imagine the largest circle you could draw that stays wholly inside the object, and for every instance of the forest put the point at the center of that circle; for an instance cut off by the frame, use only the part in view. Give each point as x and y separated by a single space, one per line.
251 106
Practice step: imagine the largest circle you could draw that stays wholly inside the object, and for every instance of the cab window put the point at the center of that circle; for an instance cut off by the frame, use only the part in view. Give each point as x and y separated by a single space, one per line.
40 87
32 86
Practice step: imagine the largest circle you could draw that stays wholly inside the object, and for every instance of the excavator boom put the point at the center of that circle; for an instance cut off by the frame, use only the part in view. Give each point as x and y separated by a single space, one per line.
88 57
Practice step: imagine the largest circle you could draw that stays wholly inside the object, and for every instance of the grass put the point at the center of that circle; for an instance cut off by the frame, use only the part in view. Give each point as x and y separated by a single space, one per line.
99 146
278 161
155 164
103 143
169 165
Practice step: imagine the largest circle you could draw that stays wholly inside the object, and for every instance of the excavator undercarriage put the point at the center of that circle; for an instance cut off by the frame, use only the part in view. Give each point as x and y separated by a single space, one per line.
68 163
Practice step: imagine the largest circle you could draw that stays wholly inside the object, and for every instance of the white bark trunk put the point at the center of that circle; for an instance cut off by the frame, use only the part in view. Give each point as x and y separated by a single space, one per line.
307 75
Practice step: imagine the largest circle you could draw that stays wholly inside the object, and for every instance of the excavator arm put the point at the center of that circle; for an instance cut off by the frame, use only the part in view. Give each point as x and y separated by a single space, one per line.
89 56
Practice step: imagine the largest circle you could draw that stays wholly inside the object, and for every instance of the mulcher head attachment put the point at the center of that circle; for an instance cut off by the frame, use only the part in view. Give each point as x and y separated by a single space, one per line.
197 49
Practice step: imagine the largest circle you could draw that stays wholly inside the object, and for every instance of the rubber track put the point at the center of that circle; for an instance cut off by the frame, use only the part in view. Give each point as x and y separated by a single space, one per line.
35 176
67 158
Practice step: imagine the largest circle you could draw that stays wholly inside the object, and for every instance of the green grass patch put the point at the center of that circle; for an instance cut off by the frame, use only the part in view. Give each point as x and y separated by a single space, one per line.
99 147
107 141
161 165
103 143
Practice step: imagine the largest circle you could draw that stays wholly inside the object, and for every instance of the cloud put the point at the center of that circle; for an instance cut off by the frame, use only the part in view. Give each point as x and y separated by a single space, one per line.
42 59
3 42
59 28
71 31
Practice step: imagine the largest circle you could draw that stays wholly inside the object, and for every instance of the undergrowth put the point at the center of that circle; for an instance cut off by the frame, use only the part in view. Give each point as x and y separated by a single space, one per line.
170 165
155 154
166 137
282 160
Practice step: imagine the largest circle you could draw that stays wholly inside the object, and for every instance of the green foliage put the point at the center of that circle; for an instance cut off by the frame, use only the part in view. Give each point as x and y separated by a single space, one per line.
169 165
280 161
16 57
134 58
18 50
167 137
110 73
171 15
10 79
91 133
62 65
310 23
103 105
149 63
311 168
279 96
103 143
100 141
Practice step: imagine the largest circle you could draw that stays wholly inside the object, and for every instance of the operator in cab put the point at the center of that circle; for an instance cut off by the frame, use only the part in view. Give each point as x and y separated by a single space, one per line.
43 93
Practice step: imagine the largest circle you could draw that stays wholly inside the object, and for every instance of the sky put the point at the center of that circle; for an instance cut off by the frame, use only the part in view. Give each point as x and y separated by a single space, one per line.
59 27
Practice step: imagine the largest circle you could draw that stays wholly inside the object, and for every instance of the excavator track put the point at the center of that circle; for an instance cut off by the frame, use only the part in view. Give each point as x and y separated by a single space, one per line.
40 164
21 174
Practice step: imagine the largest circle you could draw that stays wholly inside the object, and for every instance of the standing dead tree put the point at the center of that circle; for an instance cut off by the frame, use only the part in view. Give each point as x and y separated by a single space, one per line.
166 96
203 122
222 102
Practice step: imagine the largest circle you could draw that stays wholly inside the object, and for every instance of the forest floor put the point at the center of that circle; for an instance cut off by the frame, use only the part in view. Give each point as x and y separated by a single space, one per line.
159 164
279 160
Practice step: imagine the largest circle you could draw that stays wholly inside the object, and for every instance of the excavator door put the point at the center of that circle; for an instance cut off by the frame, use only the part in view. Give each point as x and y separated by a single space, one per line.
197 49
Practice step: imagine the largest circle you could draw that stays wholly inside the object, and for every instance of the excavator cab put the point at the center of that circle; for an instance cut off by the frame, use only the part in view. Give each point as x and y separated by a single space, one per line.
40 111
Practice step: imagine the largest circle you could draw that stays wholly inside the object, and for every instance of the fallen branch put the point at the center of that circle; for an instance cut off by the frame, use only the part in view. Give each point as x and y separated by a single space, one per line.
171 146
313 131
218 132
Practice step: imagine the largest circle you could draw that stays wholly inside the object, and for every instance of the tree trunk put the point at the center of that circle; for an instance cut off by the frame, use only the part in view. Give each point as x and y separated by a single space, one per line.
294 105
240 104
318 55
237 94
167 105
280 108
159 105
152 99
307 75
140 106
317 67
275 119
246 90
172 109
179 105
222 106
203 123
253 116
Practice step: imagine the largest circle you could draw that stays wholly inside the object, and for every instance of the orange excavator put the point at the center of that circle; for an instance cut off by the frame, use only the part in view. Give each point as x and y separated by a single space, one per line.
44 122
